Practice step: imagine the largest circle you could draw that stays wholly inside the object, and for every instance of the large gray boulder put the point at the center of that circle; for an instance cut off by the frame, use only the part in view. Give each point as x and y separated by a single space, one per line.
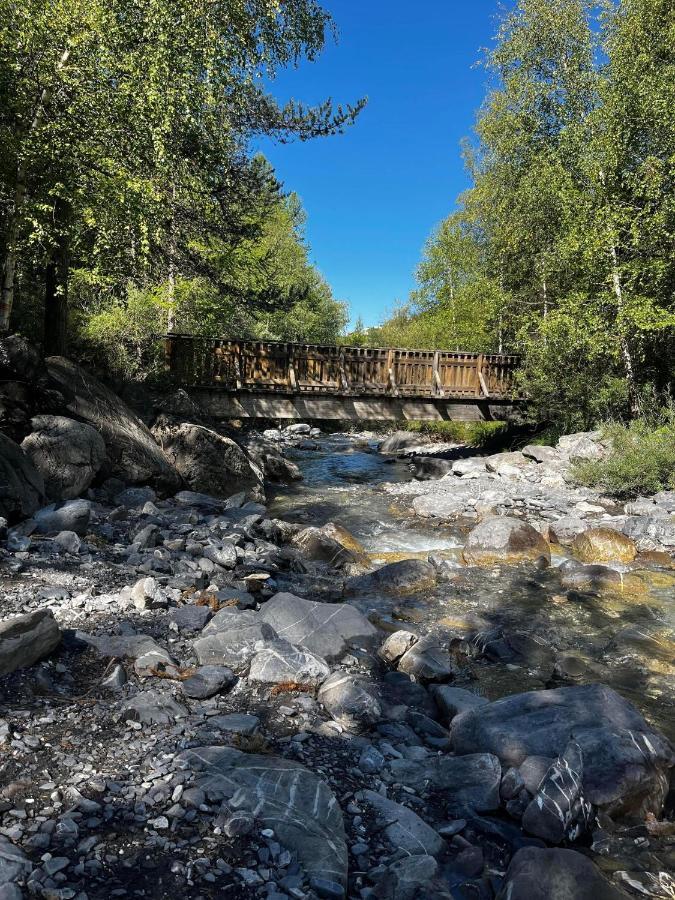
351 700
282 795
26 639
282 663
209 462
504 539
132 452
72 515
327 629
626 762
232 638
22 487
68 454
541 874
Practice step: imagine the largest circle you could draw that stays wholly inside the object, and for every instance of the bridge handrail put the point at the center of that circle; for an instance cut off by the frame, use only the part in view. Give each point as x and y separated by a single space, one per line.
286 367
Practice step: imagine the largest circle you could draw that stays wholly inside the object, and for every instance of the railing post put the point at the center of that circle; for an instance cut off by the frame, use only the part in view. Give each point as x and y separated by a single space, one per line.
169 353
292 380
343 372
437 387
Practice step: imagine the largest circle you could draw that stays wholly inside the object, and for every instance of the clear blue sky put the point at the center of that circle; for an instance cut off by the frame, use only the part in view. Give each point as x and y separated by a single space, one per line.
374 194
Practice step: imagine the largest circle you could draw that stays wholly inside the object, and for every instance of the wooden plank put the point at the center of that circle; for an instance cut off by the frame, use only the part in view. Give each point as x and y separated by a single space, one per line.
291 370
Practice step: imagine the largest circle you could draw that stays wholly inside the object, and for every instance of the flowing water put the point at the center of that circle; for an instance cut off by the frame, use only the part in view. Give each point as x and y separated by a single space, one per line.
625 640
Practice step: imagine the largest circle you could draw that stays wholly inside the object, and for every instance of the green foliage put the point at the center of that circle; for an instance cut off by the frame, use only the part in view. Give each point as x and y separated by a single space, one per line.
641 460
473 434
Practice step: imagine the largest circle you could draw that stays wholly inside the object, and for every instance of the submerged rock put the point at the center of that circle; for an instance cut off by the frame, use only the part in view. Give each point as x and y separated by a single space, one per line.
503 539
404 577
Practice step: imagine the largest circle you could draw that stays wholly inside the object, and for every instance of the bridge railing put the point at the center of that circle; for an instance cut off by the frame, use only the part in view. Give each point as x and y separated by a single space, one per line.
311 368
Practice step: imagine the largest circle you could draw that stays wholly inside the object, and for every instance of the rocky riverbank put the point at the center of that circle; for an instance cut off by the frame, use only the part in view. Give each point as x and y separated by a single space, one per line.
217 679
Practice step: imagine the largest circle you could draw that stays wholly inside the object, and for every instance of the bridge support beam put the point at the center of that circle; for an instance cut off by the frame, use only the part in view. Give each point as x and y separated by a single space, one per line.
223 405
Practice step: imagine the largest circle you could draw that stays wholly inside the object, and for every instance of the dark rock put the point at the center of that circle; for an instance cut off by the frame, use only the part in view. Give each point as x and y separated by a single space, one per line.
404 577
68 455
153 708
453 700
351 700
471 783
230 638
402 440
190 617
26 639
536 874
403 880
558 809
22 487
71 515
403 828
428 661
208 681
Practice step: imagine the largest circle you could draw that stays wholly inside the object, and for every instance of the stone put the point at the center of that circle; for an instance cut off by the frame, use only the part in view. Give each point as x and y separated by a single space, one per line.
317 545
403 440
558 810
153 708
533 770
626 763
14 864
351 700
428 661
371 761
396 645
597 579
230 638
224 556
599 545
116 680
565 529
132 453
504 539
284 796
26 639
328 630
147 654
469 468
279 469
68 454
554 874
407 576
190 617
68 542
135 497
144 592
470 783
208 681
298 428
453 700
406 879
282 663
235 723
22 487
71 515
403 828
429 468
540 453
210 462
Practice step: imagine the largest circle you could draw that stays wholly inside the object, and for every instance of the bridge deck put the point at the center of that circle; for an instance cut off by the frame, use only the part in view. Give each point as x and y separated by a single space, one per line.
271 367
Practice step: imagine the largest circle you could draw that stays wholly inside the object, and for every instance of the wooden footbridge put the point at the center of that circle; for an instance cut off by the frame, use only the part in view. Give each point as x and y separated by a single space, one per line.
272 380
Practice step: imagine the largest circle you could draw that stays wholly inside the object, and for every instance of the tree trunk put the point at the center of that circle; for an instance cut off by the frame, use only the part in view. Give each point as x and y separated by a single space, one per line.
11 252
626 355
56 288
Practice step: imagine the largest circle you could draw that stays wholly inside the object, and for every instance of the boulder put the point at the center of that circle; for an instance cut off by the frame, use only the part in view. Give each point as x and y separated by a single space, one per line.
559 810
22 487
14 865
318 545
68 454
403 440
429 468
454 700
132 453
208 681
543 874
473 467
284 796
504 539
147 654
396 645
18 359
582 445
402 827
541 453
428 660
596 579
72 515
209 462
407 879
26 639
626 763
279 469
470 783
599 545
351 700
231 637
565 529
282 663
327 629
407 576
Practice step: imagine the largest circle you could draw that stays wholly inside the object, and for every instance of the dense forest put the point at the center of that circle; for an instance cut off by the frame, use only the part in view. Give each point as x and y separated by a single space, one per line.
563 248
132 203
130 200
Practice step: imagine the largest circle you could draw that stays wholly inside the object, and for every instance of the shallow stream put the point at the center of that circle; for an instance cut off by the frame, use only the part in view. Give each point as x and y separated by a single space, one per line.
624 640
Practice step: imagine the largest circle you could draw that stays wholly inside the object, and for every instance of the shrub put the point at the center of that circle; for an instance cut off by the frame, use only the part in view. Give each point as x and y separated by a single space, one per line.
474 434
641 460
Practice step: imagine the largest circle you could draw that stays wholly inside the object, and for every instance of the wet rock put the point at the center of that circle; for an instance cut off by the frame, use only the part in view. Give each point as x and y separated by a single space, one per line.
153 708
209 462
404 577
284 796
230 638
542 874
626 763
396 645
429 467
470 783
22 487
68 454
453 700
279 469
406 878
598 545
208 681
26 639
351 700
503 539
317 544
403 828
72 515
597 579
282 663
326 629
132 453
428 661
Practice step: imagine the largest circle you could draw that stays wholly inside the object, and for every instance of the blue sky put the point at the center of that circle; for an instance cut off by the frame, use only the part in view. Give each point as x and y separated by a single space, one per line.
374 194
